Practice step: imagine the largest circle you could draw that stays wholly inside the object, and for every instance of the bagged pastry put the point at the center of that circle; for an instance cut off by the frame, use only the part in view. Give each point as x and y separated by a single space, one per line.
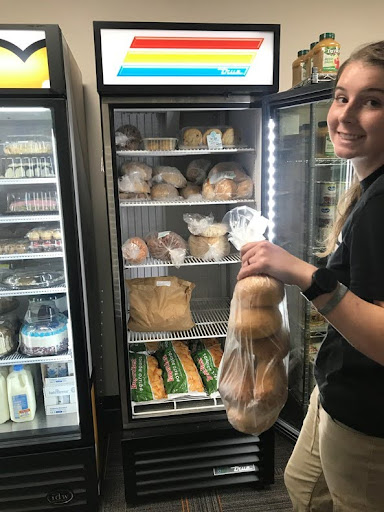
197 171
227 180
130 183
159 304
170 175
180 374
146 378
135 250
209 248
163 191
191 192
252 375
167 246
128 137
137 170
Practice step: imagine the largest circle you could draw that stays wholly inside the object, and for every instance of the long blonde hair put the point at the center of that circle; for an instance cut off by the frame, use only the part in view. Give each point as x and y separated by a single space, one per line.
373 55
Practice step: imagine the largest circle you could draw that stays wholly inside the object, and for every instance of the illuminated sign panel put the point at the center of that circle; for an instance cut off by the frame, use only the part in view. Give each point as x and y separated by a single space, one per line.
177 57
23 59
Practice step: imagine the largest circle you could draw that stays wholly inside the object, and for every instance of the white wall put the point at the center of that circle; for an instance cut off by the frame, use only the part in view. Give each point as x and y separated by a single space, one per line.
301 23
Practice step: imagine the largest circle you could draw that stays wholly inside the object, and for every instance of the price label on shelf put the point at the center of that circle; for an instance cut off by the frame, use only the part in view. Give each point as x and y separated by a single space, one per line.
214 140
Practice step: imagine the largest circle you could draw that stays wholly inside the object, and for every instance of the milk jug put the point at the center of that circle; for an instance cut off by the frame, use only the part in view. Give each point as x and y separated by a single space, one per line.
4 371
4 409
21 394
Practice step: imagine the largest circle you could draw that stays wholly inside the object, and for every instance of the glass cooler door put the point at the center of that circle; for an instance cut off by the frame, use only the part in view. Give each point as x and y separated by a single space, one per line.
308 181
38 392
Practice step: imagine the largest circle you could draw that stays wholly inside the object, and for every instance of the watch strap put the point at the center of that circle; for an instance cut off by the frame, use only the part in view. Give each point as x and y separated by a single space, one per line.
339 293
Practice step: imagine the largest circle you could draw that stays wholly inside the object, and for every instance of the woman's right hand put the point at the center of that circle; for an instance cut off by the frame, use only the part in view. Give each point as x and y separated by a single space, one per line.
267 258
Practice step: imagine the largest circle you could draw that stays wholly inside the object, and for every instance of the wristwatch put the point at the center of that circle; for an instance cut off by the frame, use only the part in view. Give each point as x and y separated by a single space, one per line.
323 281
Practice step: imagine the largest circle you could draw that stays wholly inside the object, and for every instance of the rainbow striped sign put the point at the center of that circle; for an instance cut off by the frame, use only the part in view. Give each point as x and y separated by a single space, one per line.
190 56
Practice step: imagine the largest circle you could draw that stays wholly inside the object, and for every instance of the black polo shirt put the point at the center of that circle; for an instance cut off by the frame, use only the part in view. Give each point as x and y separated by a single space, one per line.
352 385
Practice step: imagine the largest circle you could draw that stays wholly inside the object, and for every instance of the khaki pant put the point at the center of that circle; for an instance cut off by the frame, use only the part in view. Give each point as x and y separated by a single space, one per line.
334 468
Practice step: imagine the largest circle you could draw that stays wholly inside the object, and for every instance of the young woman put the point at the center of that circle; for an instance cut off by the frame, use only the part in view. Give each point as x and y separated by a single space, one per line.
338 461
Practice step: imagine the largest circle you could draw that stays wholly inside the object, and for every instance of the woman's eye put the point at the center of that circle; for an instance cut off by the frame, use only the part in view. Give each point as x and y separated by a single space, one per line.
340 99
373 103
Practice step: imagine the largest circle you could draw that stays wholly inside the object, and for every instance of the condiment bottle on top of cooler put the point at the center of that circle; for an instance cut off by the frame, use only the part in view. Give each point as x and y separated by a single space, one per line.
309 59
21 394
326 54
298 68
4 407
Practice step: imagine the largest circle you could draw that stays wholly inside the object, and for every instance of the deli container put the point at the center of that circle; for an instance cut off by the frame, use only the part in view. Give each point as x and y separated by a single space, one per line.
160 143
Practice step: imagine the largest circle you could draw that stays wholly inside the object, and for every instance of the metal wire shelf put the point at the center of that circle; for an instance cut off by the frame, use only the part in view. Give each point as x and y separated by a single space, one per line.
9 219
9 292
180 202
210 316
31 255
184 152
189 260
17 358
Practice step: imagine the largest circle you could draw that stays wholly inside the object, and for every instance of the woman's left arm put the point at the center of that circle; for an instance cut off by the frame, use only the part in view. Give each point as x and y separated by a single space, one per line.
360 322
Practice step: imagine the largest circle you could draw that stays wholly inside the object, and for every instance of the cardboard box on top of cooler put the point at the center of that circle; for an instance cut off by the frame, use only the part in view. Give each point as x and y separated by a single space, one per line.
59 388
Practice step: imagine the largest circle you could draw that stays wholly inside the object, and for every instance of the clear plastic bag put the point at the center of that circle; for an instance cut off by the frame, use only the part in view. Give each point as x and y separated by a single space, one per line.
252 374
167 246
197 223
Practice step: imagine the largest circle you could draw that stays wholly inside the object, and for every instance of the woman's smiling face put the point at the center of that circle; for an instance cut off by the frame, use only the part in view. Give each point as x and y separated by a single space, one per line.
356 117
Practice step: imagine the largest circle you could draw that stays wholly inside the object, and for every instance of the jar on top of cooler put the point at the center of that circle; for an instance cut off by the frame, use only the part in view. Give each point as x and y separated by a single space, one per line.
326 54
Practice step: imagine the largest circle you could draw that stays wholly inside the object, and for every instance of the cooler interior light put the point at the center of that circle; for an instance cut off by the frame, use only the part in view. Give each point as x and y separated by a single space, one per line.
271 180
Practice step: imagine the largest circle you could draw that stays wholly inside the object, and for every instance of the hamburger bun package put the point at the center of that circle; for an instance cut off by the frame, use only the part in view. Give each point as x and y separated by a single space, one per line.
252 377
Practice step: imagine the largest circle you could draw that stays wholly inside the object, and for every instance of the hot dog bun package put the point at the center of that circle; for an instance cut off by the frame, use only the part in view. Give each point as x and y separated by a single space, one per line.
146 378
159 304
252 376
180 374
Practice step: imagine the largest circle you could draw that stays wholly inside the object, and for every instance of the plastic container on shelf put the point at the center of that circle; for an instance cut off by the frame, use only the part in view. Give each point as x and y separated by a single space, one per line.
44 239
324 146
309 59
299 72
44 331
21 394
33 278
4 406
326 54
13 167
195 137
32 202
27 144
160 143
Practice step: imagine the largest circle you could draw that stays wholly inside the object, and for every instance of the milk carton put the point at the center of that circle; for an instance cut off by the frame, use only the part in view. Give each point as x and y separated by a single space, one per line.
4 408
21 394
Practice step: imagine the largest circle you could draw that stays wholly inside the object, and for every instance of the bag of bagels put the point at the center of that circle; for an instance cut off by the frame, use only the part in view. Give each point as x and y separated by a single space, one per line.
252 373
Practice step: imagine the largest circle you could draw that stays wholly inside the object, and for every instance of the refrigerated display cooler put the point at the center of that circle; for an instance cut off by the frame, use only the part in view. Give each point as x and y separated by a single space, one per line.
163 89
47 441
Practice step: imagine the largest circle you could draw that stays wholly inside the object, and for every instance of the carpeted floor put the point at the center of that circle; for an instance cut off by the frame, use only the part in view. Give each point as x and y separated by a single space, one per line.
244 499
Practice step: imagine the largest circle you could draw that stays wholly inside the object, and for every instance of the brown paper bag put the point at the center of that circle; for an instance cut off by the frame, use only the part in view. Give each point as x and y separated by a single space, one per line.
159 304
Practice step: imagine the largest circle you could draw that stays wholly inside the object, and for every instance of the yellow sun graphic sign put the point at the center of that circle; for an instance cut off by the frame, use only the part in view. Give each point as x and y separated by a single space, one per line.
26 68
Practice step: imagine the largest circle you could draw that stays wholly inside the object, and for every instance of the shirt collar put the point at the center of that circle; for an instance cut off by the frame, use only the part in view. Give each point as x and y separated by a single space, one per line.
366 182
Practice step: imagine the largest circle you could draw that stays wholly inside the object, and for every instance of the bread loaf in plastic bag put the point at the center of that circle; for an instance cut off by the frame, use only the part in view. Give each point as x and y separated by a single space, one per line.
252 374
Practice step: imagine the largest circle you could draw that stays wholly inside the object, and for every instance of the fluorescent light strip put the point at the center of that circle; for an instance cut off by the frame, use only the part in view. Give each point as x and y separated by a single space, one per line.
271 180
